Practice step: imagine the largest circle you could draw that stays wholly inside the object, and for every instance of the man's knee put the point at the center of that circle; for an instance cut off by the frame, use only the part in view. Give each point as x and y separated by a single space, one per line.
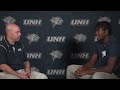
97 75
38 75
103 75
72 68
43 76
69 67
9 76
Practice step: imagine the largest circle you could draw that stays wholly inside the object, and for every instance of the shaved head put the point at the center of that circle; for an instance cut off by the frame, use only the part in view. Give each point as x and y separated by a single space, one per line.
10 27
13 32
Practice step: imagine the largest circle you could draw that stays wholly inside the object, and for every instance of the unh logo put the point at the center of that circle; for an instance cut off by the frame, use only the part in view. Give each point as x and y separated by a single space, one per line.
56 72
80 37
56 54
56 39
80 55
32 38
80 22
56 21
32 22
34 55
9 20
104 19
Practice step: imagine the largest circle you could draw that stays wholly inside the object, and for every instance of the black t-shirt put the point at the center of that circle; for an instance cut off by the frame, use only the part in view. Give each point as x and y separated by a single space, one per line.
12 55
104 53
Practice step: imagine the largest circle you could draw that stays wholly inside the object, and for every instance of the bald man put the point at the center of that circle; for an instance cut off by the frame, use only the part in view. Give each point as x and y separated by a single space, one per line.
13 61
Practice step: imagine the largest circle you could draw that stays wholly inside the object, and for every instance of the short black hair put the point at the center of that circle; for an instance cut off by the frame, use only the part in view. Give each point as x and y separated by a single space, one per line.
105 26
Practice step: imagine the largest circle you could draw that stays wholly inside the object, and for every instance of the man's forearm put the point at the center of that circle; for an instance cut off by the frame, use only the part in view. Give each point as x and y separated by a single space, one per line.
89 65
27 64
27 67
91 62
8 69
101 69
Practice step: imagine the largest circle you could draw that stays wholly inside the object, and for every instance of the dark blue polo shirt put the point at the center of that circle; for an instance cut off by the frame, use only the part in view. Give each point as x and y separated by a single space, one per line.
12 55
104 53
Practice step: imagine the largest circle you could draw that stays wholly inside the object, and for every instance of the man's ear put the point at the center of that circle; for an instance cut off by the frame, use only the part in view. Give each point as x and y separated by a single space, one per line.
106 32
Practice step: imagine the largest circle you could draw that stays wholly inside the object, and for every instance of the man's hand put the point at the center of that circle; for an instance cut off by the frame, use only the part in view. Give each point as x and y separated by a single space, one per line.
28 69
23 75
28 72
81 71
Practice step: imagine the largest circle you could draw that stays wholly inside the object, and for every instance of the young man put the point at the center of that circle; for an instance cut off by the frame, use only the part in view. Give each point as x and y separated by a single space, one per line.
104 59
13 61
